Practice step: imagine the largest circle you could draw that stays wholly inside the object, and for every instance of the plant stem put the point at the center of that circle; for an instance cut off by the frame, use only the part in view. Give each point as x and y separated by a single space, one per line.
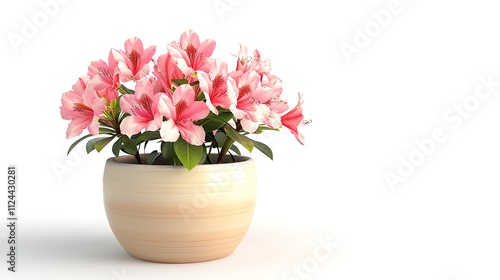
138 157
225 148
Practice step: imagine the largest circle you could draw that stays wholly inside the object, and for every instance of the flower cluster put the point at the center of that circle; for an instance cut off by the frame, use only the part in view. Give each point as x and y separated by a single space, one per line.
186 100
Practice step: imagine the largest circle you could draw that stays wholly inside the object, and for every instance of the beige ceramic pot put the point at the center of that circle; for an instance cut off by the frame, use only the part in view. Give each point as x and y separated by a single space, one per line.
168 214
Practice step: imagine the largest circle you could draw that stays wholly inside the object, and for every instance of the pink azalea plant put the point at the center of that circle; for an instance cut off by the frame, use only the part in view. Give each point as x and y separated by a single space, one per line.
187 101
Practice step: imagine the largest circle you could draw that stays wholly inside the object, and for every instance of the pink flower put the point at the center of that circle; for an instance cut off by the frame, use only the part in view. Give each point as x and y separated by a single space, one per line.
165 70
81 84
142 107
181 110
83 109
133 62
190 55
105 78
247 63
277 105
246 95
293 118
214 86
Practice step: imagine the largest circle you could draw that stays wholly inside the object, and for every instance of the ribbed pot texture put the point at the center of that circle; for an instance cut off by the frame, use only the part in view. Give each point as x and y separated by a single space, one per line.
168 214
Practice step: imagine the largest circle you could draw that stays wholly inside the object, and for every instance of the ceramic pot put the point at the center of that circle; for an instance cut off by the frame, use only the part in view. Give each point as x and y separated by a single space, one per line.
165 213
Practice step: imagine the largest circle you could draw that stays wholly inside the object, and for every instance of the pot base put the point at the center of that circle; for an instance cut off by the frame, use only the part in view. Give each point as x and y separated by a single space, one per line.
182 252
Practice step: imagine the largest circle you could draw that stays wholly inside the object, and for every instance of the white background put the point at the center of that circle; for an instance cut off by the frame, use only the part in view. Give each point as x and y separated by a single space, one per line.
442 222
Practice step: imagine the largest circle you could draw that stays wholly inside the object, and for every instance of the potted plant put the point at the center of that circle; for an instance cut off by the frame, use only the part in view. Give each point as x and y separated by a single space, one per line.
191 198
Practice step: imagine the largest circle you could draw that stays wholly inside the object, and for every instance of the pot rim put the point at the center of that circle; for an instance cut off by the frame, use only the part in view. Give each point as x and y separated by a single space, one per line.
129 161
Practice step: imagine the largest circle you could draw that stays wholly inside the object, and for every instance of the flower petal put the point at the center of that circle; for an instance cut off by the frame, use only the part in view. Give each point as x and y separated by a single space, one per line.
165 106
249 126
73 130
169 132
193 134
94 126
195 111
207 47
131 125
293 118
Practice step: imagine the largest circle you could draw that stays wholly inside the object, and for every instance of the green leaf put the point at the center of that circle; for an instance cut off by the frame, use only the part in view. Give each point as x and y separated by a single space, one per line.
134 137
76 143
125 90
117 146
168 152
189 155
204 156
117 110
122 117
152 157
98 143
209 137
263 128
220 138
213 122
105 130
242 139
263 148
180 81
235 149
147 136
128 147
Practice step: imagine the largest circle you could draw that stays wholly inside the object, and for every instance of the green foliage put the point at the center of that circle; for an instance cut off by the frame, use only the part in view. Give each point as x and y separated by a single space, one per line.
263 148
188 154
220 138
98 143
77 142
246 142
213 122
